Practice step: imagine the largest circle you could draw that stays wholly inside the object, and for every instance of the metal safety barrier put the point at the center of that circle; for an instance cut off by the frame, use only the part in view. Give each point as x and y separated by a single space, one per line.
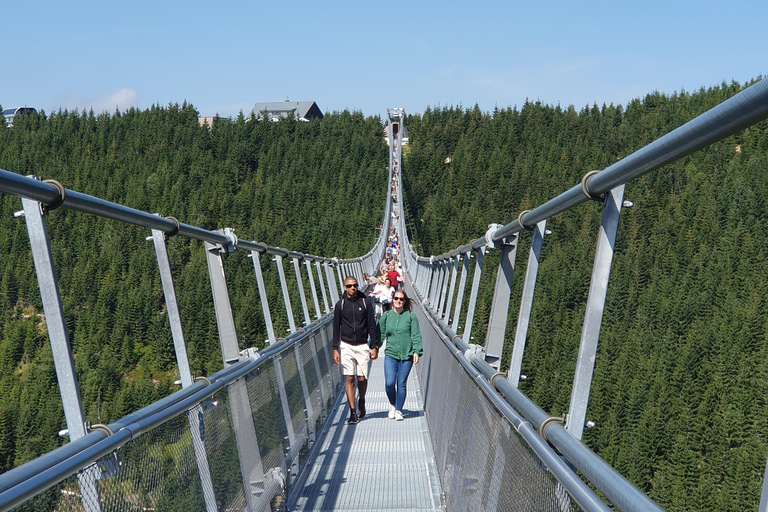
236 437
434 283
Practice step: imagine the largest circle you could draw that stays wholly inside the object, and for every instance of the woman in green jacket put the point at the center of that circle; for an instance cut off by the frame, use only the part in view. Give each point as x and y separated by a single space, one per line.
400 327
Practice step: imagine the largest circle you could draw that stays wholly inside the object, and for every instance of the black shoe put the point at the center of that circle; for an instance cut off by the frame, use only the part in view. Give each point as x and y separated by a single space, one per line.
352 417
360 409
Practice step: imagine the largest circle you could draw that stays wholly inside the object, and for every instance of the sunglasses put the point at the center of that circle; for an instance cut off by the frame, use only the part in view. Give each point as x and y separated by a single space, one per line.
398 298
350 286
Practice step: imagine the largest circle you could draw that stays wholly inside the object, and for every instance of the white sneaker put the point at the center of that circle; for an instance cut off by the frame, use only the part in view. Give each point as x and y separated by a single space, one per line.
398 416
391 413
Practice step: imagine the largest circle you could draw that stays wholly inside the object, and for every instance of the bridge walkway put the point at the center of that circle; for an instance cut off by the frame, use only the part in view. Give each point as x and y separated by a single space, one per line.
378 464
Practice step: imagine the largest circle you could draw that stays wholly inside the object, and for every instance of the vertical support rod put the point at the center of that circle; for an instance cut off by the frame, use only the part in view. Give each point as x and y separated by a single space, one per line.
435 278
263 296
467 336
185 373
444 286
314 288
340 274
454 273
302 293
322 287
590 332
526 302
494 340
460 296
331 286
286 297
239 403
230 349
297 351
59 340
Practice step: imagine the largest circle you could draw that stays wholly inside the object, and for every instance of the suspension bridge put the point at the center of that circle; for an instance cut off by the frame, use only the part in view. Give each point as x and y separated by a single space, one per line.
268 432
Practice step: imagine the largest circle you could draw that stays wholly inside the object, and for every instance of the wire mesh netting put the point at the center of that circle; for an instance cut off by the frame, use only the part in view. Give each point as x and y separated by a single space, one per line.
483 463
224 453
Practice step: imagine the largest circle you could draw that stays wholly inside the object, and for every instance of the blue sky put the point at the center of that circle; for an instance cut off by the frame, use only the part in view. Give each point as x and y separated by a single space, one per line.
224 56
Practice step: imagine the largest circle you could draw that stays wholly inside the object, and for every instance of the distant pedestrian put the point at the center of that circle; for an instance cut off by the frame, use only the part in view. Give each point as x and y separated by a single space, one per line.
399 329
393 276
353 324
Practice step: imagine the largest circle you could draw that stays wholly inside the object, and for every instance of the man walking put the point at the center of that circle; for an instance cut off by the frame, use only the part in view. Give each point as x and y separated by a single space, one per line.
353 323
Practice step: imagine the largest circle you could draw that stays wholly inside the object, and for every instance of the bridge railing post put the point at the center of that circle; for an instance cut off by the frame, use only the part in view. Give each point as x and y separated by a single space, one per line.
444 286
497 324
313 286
251 467
454 264
299 359
279 368
340 275
462 287
324 292
286 296
598 287
185 373
302 292
334 294
467 335
434 276
59 340
526 302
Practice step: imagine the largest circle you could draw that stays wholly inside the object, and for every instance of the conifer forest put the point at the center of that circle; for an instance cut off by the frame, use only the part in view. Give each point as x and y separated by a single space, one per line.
681 377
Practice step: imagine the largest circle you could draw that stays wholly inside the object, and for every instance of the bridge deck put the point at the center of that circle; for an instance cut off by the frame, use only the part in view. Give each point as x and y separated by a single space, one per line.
378 464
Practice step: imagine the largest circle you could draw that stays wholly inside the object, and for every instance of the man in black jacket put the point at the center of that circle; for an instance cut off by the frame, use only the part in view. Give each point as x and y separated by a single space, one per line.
353 323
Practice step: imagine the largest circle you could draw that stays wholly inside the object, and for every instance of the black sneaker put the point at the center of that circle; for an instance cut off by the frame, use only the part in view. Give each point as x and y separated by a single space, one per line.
360 409
352 417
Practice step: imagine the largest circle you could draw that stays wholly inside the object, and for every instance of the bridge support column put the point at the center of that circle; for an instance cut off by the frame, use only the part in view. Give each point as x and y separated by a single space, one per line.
524 315
494 340
239 402
590 332
185 373
59 340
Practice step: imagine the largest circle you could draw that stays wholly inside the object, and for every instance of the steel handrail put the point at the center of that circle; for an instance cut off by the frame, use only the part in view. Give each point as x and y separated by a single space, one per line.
23 482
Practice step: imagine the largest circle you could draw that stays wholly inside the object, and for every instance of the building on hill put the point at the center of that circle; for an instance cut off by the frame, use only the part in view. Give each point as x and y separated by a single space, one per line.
275 110
10 113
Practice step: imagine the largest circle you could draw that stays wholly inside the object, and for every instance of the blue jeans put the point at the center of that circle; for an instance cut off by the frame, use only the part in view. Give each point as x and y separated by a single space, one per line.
395 377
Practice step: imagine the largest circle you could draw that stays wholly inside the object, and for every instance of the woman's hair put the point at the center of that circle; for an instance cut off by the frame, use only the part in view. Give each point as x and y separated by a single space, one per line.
406 302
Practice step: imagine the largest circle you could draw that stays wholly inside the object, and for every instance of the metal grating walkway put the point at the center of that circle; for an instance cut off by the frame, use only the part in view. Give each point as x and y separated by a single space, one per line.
378 464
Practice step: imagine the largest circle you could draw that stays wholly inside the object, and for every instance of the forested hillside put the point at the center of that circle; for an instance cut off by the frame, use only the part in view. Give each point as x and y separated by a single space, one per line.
679 392
314 187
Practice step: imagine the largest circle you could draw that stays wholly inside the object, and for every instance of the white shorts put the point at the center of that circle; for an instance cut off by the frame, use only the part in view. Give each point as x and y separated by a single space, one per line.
355 359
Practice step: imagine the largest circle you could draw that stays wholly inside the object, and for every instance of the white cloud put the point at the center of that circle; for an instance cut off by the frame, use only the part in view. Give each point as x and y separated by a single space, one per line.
77 100
120 100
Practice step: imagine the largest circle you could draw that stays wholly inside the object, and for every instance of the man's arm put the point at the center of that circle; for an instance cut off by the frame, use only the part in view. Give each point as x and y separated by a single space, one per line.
373 330
336 338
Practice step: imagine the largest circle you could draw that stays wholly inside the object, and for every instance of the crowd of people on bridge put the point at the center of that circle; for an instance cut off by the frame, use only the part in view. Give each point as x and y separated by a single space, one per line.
362 324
